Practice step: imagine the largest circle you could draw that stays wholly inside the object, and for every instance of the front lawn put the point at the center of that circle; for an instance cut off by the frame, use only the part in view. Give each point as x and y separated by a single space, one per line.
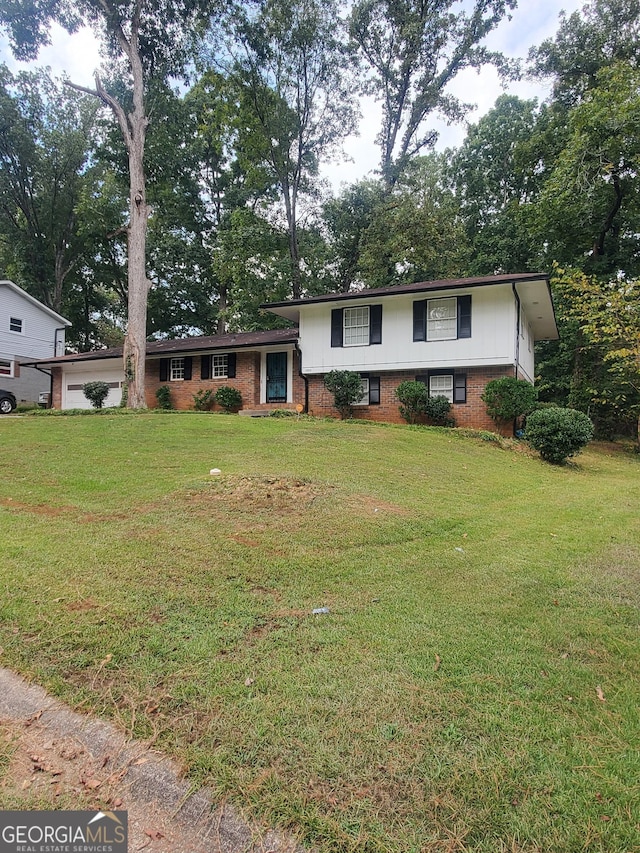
473 687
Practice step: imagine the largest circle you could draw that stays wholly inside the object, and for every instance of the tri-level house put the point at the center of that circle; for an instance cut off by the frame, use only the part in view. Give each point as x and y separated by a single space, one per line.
29 330
453 335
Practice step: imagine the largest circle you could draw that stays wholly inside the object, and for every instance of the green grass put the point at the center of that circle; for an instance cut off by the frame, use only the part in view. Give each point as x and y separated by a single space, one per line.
480 602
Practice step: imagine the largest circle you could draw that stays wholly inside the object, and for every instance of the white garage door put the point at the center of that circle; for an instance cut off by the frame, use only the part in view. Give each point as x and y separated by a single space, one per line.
73 380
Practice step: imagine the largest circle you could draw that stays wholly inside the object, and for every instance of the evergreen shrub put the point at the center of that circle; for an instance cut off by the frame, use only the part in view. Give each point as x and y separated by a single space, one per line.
558 433
346 387
96 393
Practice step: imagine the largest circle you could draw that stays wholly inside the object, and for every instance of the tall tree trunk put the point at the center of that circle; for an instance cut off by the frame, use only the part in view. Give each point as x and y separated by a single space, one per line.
135 345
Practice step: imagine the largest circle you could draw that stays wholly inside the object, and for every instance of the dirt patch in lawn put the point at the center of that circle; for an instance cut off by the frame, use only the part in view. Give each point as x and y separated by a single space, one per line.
243 493
282 495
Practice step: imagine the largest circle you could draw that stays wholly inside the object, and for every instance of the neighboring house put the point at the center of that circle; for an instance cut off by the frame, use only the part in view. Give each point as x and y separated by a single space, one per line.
453 335
28 331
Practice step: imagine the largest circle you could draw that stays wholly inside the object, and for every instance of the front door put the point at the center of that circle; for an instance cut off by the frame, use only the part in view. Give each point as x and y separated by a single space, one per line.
276 377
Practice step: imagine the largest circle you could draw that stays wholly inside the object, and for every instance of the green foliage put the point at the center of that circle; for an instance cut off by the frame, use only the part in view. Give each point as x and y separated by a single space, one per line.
163 396
96 393
346 387
437 410
509 398
228 397
203 399
558 433
413 398
413 50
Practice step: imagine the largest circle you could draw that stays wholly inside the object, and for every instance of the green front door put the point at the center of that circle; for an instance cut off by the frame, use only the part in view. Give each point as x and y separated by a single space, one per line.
276 377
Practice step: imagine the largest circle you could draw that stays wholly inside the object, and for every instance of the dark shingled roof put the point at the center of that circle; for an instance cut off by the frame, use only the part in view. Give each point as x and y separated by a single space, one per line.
414 287
237 340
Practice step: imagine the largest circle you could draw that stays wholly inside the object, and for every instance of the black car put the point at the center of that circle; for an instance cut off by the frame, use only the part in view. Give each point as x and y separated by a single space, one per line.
7 402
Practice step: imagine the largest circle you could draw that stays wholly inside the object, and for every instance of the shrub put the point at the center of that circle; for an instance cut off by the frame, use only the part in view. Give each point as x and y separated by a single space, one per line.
203 400
509 398
228 397
558 433
437 410
413 398
346 387
163 396
96 393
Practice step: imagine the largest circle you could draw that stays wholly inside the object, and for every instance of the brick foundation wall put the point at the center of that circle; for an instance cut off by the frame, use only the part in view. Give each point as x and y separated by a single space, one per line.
472 414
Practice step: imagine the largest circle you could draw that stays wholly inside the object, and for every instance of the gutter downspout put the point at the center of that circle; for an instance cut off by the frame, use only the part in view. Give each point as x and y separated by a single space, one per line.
304 378
517 298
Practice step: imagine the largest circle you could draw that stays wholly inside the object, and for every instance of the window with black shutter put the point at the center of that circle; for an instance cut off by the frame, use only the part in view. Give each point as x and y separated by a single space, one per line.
444 319
358 326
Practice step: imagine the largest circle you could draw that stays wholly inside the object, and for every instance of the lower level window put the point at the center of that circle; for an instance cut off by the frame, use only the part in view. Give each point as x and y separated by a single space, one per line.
441 386
6 368
177 369
364 400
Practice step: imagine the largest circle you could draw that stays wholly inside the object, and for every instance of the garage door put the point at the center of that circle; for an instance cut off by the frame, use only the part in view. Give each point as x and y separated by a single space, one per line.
73 380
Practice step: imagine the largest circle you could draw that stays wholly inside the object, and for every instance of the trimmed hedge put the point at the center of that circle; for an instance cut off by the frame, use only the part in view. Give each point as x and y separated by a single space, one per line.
558 433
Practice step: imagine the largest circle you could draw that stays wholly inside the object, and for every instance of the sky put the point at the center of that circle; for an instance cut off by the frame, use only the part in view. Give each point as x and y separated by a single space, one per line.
532 22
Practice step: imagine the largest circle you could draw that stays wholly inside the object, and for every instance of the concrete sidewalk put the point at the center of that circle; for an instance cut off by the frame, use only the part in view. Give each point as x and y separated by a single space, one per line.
165 816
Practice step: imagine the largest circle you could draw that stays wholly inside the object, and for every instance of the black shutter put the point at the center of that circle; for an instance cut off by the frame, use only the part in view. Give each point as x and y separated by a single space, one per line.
205 367
188 367
464 316
375 324
420 320
336 327
374 390
231 365
460 388
164 369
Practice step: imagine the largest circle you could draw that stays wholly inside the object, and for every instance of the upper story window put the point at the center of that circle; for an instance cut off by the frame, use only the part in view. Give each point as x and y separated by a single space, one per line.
444 319
15 325
176 369
356 327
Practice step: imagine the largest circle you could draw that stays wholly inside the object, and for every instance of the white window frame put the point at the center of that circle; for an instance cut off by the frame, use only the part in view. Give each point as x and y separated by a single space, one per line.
16 321
355 326
219 366
442 321
10 371
176 370
447 382
364 400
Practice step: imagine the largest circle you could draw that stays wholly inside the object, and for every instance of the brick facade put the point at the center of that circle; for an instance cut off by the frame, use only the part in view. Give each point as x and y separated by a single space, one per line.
246 380
472 414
